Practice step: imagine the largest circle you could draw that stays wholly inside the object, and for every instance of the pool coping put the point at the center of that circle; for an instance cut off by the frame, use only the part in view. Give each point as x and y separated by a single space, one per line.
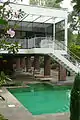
12 100
12 103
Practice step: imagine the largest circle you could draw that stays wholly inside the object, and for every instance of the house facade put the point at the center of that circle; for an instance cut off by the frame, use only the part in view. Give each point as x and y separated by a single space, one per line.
41 32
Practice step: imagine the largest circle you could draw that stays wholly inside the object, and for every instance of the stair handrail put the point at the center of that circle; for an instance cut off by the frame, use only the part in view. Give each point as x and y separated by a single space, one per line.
50 38
54 41
68 53
69 49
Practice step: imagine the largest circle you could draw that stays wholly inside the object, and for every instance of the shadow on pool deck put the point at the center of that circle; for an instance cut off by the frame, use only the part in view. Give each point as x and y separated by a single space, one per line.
28 77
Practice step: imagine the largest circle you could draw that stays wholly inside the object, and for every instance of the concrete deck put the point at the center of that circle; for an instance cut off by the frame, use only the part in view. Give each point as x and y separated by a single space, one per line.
12 109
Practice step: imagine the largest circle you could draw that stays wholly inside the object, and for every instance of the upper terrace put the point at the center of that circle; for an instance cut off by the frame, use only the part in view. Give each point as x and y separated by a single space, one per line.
40 20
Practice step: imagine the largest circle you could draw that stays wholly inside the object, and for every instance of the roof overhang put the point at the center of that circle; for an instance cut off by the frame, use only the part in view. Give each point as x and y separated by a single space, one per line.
39 14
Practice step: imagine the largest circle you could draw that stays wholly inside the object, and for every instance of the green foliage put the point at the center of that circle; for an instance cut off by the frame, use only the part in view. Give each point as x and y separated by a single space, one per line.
75 99
2 117
75 16
52 3
3 78
76 5
78 39
33 2
75 49
47 3
11 47
3 22
5 16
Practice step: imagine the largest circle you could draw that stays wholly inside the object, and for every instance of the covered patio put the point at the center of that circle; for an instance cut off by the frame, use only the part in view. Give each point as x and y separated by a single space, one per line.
38 19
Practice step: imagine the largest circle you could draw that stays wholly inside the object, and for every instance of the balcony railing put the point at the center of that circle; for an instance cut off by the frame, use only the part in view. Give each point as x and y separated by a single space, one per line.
39 42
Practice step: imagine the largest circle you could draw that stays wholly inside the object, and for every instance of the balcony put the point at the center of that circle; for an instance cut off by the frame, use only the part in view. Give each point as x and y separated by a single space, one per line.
42 45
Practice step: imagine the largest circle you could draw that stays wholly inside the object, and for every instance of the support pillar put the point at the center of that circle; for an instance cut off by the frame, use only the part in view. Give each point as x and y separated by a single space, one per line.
36 63
62 73
47 66
28 63
22 62
18 63
66 39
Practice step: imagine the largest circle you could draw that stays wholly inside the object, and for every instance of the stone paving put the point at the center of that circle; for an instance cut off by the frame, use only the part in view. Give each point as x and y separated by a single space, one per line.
58 116
12 109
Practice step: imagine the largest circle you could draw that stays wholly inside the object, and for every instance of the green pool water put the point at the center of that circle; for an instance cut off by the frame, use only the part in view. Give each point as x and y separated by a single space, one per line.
43 98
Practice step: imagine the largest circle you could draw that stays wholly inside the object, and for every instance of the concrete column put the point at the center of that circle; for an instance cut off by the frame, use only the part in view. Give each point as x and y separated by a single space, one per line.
66 30
10 66
22 62
36 62
10 63
62 73
28 63
47 66
18 63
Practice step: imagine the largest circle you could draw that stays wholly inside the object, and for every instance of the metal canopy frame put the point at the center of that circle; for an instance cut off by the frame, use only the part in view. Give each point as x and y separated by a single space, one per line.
39 14
36 14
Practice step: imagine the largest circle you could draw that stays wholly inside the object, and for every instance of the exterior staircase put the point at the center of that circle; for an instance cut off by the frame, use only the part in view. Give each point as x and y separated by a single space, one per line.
66 60
57 50
62 60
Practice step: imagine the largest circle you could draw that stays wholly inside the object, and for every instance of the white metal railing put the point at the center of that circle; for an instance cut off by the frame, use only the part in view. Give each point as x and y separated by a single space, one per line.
70 56
45 42
38 42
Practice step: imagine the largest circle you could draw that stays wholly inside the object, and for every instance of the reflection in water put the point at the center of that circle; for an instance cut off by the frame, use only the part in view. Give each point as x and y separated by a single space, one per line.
68 93
32 90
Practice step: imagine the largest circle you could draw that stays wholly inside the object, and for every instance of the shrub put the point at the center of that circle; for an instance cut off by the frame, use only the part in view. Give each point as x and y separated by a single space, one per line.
75 99
2 117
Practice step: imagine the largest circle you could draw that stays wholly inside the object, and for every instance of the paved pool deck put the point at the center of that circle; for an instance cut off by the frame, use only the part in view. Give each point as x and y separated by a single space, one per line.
12 109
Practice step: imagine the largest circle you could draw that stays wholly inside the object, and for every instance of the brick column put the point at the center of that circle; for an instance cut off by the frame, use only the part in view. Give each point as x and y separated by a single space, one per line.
10 63
10 66
62 73
47 66
18 63
36 62
28 63
22 62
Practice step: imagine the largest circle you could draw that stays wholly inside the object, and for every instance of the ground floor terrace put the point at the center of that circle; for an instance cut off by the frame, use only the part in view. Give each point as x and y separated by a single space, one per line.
38 65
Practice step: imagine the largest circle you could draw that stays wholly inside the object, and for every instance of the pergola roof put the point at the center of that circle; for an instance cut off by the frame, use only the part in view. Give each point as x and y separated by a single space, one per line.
39 14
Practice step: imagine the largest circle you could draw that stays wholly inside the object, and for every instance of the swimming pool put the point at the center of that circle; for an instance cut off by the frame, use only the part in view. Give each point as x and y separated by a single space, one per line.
43 98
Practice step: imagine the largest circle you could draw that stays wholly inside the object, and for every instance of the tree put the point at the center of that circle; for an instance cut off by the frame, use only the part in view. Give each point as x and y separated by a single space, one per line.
7 32
75 99
76 6
47 3
75 21
4 15
53 3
